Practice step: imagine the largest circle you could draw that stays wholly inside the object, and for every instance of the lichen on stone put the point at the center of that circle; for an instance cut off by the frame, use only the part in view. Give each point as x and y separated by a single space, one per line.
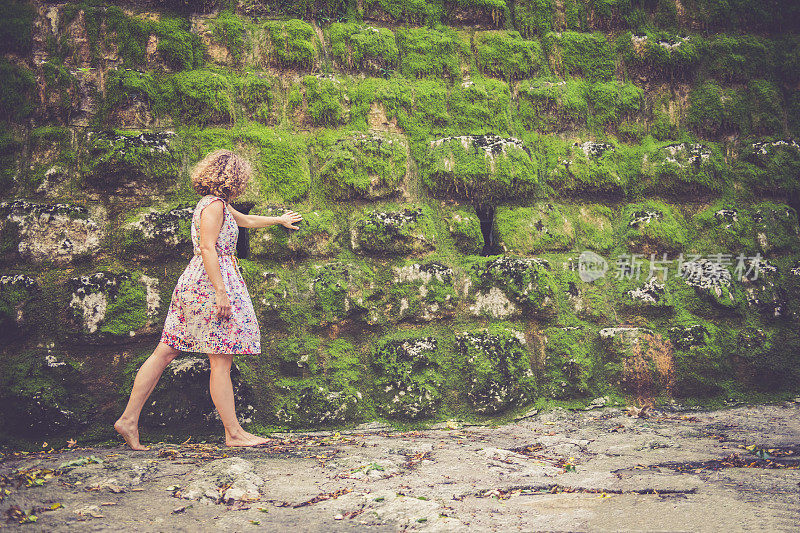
409 382
61 233
497 368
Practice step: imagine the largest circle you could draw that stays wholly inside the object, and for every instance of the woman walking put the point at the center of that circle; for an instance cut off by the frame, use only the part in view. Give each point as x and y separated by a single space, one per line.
210 311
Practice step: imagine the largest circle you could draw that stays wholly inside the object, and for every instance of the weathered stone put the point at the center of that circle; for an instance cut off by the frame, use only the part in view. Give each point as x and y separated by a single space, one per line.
225 480
421 293
409 382
61 233
42 392
17 294
640 360
509 286
368 166
395 232
497 368
320 234
156 235
312 402
109 307
465 228
479 168
119 161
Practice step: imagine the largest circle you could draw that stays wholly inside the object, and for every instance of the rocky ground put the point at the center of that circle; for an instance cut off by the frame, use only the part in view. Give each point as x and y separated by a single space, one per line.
606 469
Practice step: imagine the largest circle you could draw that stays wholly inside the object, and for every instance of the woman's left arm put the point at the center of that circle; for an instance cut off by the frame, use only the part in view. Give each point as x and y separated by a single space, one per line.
257 221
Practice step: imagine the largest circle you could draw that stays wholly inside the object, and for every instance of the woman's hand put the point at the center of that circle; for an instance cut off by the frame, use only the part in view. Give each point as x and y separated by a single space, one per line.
222 309
289 218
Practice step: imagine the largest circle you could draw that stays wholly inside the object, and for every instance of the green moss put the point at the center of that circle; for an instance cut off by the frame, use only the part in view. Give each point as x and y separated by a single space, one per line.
229 28
358 47
9 148
534 17
589 168
739 58
408 384
199 97
257 93
767 357
299 355
652 226
330 395
758 109
282 164
579 300
769 166
588 55
570 358
776 227
124 86
480 106
705 287
60 81
465 228
411 11
507 55
420 293
612 102
530 230
127 311
724 226
324 100
660 54
158 234
110 26
320 235
313 402
281 171
43 394
575 15
477 171
322 10
431 52
180 48
361 165
293 43
119 156
550 105
681 168
295 98
16 23
18 295
129 34
702 357
394 229
527 283
496 368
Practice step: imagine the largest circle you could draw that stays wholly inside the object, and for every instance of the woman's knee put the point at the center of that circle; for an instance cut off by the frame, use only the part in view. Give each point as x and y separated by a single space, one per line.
220 362
166 353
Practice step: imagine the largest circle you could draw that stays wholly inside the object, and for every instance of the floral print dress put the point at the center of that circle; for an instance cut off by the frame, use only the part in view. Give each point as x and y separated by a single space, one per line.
192 324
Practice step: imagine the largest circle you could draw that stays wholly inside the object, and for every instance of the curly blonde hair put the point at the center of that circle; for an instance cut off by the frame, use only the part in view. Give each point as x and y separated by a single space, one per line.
221 173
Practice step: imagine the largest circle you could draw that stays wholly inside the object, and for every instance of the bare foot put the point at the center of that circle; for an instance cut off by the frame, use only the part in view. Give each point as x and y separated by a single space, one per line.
245 439
130 433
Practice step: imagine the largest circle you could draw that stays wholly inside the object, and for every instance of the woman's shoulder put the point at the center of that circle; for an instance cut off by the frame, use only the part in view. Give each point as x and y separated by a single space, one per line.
208 198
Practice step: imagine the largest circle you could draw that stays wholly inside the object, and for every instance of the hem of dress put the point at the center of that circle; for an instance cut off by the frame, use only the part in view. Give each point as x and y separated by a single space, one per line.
167 339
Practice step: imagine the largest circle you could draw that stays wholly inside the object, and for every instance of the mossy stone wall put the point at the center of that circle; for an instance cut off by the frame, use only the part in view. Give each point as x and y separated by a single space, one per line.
458 164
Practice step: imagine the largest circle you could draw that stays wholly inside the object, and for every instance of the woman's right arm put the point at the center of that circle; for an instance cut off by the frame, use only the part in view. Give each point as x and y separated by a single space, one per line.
211 218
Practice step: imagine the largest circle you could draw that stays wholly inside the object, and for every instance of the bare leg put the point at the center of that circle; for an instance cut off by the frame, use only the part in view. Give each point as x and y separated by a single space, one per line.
143 385
221 390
